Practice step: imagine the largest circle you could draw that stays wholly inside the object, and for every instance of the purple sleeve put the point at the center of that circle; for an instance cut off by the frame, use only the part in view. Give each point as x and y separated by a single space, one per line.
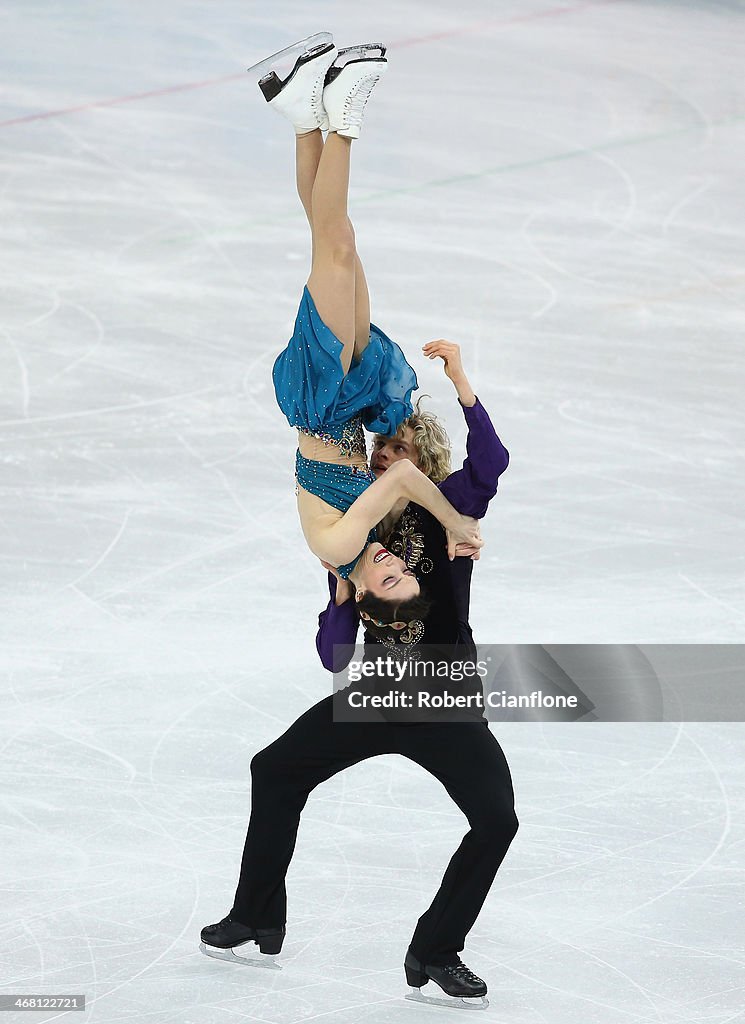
471 488
337 624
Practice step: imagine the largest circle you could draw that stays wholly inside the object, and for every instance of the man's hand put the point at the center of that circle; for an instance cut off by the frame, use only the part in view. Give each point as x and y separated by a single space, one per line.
468 550
343 587
465 531
449 352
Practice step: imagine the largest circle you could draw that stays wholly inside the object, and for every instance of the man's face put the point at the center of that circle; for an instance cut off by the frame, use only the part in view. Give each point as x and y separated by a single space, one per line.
387 450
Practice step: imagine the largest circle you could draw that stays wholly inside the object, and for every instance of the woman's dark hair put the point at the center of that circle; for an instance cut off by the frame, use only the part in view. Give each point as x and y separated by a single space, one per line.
386 612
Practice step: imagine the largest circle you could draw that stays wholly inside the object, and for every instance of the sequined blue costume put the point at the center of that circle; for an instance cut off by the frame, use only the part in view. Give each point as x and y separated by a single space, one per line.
339 485
319 399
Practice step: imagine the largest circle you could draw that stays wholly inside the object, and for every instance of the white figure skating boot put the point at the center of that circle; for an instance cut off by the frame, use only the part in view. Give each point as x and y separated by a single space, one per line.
350 80
293 79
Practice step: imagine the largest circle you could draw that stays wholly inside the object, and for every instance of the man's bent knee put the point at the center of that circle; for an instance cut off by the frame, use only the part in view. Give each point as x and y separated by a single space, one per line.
498 825
263 764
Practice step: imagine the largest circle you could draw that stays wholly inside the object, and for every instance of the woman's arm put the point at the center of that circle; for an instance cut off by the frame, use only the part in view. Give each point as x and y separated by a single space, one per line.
339 542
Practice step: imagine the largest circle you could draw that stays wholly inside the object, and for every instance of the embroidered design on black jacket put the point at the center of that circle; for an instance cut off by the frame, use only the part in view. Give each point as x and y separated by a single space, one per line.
408 543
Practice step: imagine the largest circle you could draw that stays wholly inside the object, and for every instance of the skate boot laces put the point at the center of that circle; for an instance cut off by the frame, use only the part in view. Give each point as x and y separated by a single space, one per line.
213 927
460 972
354 105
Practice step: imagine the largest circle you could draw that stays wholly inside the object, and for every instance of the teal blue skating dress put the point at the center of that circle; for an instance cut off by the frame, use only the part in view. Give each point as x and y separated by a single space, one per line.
319 399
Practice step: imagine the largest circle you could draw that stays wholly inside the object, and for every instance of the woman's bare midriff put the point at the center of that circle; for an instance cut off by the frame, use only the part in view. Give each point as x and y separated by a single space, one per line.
314 448
316 515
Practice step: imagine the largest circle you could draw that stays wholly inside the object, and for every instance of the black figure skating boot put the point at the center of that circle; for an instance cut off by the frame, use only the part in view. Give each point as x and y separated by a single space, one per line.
292 81
349 81
222 939
461 987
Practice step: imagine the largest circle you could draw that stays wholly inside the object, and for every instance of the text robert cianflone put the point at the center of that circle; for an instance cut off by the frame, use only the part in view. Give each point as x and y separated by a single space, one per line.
423 699
394 668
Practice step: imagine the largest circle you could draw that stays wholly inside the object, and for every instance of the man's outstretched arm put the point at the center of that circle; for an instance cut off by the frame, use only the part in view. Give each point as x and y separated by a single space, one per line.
471 488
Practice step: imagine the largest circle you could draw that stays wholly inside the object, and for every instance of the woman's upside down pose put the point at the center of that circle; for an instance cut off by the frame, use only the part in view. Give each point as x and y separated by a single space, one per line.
340 372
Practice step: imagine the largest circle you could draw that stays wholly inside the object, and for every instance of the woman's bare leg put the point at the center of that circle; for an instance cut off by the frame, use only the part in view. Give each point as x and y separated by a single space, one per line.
332 276
361 310
309 149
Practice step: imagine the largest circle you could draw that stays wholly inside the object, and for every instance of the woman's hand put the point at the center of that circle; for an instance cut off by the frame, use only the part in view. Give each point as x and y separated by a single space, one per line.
449 352
467 551
343 587
464 531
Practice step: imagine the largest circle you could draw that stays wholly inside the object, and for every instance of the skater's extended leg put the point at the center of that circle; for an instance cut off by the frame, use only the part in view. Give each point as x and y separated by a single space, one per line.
361 310
312 750
315 96
308 150
469 762
332 277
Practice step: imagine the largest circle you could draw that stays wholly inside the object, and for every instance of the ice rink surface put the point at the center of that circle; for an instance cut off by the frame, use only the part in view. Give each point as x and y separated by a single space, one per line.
556 186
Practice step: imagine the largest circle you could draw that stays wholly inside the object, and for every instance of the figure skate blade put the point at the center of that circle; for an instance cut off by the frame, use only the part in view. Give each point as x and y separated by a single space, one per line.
452 1002
283 61
258 960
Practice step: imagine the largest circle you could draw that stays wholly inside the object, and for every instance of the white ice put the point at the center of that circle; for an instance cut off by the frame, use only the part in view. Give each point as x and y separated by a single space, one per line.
557 186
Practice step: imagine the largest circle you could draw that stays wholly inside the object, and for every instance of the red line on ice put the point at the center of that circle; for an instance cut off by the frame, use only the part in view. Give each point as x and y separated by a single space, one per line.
413 41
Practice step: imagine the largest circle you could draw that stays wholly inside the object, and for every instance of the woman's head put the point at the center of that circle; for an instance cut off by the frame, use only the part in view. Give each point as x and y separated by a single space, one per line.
387 594
422 439
383 576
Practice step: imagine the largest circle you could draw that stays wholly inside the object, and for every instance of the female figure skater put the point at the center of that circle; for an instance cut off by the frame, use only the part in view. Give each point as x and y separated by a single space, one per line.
339 370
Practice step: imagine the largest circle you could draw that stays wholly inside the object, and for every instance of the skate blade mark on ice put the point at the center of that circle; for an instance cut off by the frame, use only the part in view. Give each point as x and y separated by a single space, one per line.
267 961
285 60
452 1002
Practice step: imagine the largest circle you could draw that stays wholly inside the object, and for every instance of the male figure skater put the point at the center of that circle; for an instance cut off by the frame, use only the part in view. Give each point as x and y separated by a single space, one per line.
464 756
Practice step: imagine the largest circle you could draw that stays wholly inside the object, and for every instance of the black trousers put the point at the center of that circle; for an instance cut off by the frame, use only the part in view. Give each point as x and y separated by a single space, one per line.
464 756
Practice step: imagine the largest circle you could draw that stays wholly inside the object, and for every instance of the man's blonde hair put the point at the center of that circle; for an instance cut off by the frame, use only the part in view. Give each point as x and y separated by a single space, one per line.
430 440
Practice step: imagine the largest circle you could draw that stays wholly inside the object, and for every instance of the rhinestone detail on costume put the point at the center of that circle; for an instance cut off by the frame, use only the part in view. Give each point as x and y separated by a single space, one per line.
352 439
